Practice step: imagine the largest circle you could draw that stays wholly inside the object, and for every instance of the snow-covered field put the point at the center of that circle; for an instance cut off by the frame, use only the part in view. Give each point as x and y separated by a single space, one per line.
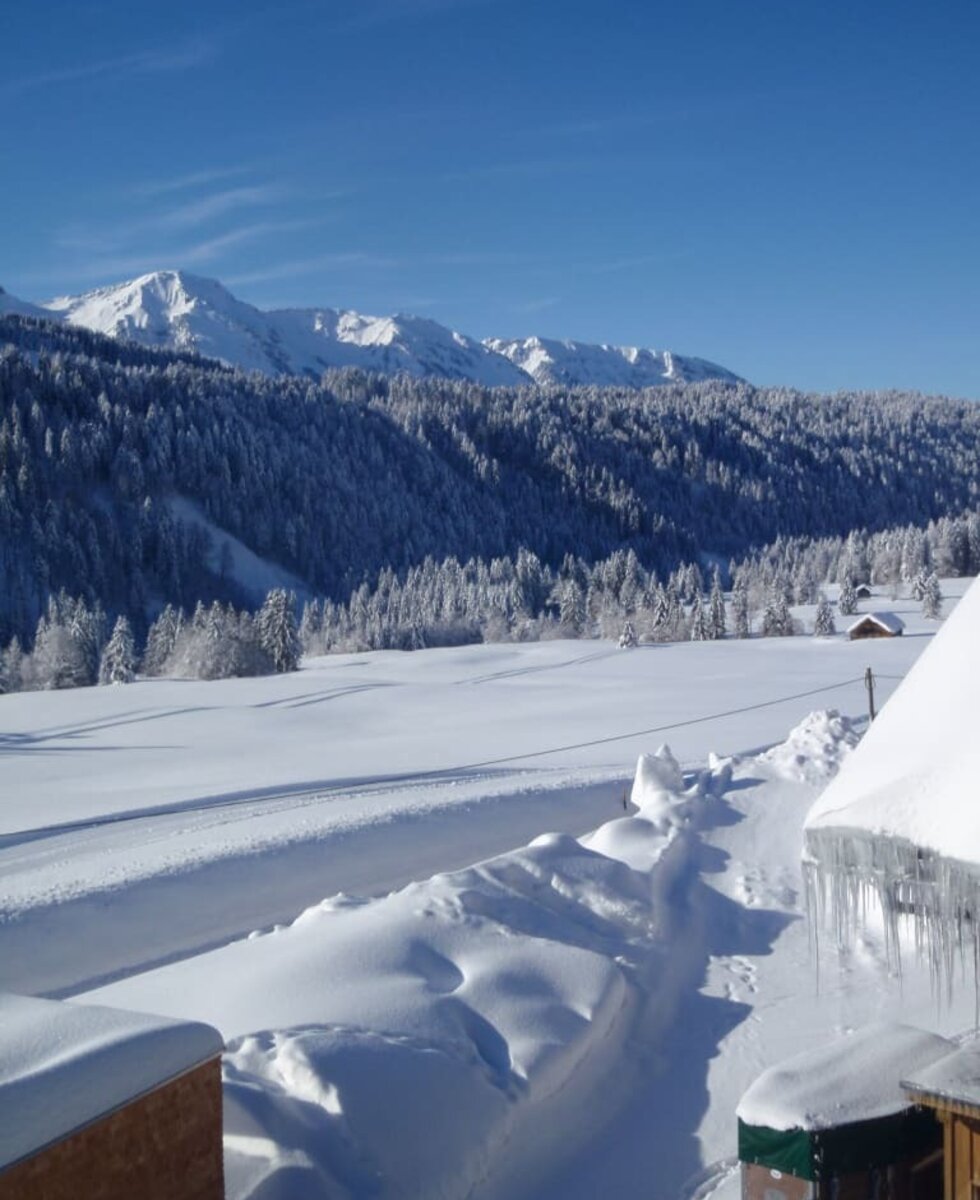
377 878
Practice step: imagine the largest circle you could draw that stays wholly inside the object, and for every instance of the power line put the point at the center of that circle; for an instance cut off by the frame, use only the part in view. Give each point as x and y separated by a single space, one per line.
622 737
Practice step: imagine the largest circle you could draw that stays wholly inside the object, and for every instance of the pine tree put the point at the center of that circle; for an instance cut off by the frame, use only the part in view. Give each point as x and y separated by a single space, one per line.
823 620
627 639
718 625
699 621
740 610
161 639
932 597
310 627
571 607
12 667
776 620
276 627
118 662
847 600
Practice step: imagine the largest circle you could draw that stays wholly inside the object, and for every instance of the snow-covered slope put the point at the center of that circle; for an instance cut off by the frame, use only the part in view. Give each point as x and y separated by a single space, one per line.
547 360
20 308
180 311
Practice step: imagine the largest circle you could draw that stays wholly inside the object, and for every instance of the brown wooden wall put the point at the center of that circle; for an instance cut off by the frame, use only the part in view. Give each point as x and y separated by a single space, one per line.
962 1152
164 1146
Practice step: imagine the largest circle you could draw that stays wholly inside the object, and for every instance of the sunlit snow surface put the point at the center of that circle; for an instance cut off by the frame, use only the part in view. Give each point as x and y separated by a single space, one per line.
900 826
576 1015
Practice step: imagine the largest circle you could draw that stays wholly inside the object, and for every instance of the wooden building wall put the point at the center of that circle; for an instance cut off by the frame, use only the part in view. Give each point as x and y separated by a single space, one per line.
907 1180
166 1145
961 1145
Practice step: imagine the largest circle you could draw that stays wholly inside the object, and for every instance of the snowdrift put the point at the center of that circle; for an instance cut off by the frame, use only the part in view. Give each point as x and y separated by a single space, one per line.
398 1046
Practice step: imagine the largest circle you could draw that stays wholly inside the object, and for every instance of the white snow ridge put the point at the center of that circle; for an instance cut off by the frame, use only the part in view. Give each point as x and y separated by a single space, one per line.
180 311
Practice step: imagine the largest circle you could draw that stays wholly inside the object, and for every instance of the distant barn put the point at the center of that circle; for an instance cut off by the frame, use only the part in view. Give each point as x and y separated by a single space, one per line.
862 591
876 625
107 1104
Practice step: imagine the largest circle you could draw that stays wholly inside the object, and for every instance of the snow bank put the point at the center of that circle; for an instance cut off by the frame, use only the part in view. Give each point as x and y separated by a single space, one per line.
855 1078
814 751
63 1065
400 1046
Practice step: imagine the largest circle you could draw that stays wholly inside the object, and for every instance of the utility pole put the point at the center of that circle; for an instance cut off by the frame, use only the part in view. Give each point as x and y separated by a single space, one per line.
869 683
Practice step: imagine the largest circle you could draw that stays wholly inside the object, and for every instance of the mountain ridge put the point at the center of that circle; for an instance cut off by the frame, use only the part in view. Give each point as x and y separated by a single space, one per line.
179 310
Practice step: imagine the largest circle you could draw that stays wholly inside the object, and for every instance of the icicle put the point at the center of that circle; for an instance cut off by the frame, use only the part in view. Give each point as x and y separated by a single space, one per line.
844 872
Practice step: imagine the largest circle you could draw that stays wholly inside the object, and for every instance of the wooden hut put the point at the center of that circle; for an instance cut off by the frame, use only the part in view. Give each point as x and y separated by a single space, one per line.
876 625
836 1122
102 1103
950 1088
862 591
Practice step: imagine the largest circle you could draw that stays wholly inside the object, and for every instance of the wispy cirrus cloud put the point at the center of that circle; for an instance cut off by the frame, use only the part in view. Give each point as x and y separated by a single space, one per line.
192 179
296 268
109 266
164 221
370 260
218 204
183 57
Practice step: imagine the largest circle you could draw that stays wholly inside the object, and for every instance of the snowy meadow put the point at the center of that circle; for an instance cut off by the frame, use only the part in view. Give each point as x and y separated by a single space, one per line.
459 941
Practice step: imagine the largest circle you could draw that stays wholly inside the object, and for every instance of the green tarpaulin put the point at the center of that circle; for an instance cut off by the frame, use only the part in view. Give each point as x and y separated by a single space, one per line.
842 1149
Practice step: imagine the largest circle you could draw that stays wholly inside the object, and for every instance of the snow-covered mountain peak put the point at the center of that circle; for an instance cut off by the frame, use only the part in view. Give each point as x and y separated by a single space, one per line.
175 309
552 361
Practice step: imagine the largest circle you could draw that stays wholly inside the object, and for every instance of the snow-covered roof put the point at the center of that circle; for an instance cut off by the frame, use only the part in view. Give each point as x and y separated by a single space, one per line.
956 1076
914 775
63 1065
855 1078
887 621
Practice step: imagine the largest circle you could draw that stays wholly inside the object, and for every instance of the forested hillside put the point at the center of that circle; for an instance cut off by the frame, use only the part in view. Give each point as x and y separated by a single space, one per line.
336 480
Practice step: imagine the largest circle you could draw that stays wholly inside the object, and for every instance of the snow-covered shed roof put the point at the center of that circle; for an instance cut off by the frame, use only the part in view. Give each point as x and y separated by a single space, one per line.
914 775
855 1078
64 1065
954 1077
889 622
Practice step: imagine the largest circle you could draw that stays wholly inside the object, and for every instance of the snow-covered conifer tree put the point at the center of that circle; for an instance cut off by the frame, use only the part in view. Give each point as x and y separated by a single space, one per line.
12 667
627 639
932 597
699 621
161 639
740 609
823 620
310 626
118 662
847 601
718 625
776 620
276 627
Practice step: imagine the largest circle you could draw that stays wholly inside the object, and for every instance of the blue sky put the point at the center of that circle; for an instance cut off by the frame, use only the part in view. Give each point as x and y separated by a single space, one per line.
790 189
